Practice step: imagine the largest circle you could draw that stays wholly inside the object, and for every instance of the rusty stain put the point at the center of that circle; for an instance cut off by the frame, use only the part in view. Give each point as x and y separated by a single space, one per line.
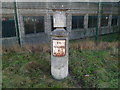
60 52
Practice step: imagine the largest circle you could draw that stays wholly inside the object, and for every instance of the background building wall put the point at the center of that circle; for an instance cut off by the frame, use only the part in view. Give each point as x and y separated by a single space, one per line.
37 9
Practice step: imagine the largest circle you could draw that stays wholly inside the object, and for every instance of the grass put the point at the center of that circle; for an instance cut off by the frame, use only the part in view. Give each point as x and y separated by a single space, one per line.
90 66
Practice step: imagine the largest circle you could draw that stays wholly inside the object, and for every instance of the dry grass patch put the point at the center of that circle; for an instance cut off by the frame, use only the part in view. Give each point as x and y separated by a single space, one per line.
91 45
27 48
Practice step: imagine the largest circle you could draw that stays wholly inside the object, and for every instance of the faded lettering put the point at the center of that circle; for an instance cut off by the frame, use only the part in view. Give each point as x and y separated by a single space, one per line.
59 47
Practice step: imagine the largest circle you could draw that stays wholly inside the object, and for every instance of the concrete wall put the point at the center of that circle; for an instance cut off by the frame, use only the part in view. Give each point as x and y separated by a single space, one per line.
9 41
45 9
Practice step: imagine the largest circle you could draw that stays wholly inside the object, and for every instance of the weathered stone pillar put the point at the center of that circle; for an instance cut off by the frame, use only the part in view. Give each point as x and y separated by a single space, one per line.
59 47
59 54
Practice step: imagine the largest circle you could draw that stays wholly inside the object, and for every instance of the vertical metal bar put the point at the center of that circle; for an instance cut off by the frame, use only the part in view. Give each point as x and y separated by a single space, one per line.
98 21
17 25
1 46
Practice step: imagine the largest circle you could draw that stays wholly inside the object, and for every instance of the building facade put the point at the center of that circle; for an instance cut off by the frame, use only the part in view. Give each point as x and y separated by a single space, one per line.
32 22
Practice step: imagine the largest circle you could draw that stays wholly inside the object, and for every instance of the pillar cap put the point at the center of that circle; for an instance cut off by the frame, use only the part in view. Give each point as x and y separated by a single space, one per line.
59 33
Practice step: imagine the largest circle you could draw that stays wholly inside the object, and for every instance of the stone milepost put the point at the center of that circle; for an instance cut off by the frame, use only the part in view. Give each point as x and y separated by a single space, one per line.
59 46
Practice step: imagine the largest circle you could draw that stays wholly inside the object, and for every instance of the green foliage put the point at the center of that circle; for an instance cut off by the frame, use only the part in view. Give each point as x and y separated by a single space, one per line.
94 68
110 37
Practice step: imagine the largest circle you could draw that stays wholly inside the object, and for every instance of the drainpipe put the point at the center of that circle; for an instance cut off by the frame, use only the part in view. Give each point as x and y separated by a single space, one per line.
17 25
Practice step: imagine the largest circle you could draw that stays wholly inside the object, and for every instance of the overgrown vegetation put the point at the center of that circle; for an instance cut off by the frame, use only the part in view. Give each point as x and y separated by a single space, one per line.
89 65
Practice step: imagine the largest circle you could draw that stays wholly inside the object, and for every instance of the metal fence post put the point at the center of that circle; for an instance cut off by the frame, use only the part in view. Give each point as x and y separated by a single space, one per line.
17 25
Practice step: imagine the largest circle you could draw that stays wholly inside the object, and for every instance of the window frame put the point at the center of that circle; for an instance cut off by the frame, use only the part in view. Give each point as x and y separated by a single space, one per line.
106 23
11 17
112 20
78 25
95 17
35 30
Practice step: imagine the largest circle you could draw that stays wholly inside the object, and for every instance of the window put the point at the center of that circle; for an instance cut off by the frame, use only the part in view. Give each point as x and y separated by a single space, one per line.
114 20
39 22
92 21
77 22
104 20
8 27
33 24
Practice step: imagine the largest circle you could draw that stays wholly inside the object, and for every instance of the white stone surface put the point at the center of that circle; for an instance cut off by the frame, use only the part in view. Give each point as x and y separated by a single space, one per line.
59 64
59 72
59 19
